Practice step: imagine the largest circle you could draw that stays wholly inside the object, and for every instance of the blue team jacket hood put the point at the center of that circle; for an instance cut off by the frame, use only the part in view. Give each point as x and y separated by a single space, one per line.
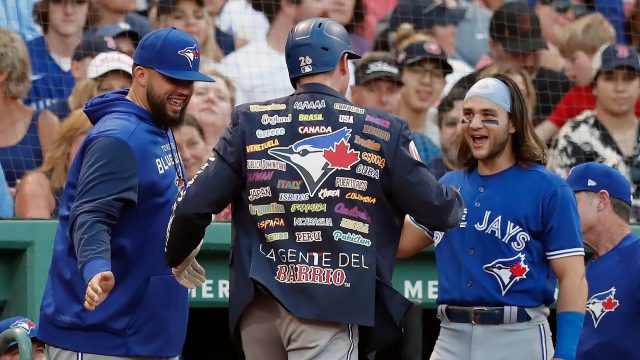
113 102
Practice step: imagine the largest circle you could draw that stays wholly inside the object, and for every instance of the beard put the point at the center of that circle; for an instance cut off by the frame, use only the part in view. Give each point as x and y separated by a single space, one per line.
158 109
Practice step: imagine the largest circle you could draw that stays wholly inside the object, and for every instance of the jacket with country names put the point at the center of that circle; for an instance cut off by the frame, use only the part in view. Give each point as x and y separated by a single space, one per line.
320 189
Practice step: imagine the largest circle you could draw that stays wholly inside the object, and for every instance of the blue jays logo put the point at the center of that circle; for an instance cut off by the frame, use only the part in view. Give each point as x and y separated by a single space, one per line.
24 324
601 303
317 157
508 271
191 53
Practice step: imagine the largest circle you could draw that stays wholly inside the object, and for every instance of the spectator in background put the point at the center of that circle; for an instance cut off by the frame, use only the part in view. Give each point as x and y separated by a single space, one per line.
610 133
258 69
40 191
109 12
26 134
424 66
473 31
449 116
239 18
83 54
62 22
15 15
578 44
191 16
434 19
555 16
520 76
515 36
28 326
350 14
125 38
6 198
211 105
633 26
378 81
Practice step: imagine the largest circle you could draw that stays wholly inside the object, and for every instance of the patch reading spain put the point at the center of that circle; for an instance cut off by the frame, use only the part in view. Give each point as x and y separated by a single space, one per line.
269 107
602 303
310 221
264 164
269 223
261 134
309 207
259 210
276 236
309 274
317 157
368 143
384 135
255 194
351 237
354 225
274 119
347 107
263 146
351 183
413 150
508 271
308 236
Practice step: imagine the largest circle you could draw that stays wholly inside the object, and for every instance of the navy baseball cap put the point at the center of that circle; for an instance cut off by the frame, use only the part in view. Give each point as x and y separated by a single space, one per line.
424 50
171 52
92 46
19 322
614 56
424 14
120 29
517 28
593 177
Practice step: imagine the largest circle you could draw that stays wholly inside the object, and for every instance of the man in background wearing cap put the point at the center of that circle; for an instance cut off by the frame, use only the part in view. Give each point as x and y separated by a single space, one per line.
28 326
108 292
610 132
604 202
515 36
424 68
122 12
497 271
314 181
124 36
378 81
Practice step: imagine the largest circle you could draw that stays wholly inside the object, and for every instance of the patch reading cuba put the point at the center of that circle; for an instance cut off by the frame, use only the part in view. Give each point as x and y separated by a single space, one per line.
602 303
317 157
508 271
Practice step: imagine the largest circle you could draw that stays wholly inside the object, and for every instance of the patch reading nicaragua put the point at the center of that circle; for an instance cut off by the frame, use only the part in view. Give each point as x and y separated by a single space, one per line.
317 157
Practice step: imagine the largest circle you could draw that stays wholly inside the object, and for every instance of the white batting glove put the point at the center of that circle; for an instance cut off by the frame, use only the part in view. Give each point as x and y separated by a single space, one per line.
189 273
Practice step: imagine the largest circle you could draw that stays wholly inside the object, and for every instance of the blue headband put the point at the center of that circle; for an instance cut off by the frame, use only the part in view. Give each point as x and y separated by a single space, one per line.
493 90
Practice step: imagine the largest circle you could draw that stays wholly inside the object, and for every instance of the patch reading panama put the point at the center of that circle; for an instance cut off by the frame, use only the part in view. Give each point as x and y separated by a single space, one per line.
317 157
508 271
602 303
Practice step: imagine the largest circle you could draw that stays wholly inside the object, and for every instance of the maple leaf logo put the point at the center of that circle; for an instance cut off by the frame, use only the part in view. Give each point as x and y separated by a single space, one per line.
341 156
610 303
519 270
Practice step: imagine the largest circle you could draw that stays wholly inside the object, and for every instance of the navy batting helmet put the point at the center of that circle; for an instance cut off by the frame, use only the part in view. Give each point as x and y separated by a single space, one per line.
315 46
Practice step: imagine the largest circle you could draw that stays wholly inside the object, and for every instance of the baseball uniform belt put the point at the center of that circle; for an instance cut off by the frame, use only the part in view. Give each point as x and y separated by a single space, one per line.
487 315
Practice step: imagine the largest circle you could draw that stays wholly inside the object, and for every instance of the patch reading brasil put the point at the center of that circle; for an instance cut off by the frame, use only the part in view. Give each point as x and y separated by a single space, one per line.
317 157
602 303
508 271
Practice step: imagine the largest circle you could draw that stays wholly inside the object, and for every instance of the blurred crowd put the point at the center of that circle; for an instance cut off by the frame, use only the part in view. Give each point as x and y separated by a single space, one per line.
575 61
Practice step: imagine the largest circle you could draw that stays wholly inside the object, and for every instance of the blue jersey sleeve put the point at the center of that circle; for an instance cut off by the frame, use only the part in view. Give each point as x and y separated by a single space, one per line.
195 205
108 181
563 236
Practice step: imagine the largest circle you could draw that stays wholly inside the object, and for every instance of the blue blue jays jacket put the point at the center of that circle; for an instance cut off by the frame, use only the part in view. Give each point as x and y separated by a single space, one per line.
113 216
320 189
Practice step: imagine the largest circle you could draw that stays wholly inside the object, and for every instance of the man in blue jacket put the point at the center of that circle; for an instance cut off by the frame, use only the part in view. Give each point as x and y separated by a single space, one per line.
319 190
108 292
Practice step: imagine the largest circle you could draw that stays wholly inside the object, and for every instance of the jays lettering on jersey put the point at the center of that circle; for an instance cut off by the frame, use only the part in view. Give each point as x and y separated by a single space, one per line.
515 221
611 329
309 177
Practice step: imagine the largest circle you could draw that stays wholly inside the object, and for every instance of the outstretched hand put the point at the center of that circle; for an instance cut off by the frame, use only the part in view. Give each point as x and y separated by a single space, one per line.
98 289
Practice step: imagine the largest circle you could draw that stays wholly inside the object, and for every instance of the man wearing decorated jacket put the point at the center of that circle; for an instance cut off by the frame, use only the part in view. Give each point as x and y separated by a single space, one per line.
319 189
